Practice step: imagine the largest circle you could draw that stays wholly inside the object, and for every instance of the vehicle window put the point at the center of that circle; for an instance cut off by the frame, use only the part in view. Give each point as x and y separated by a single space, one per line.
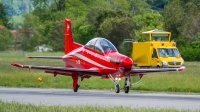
160 37
154 54
166 52
146 38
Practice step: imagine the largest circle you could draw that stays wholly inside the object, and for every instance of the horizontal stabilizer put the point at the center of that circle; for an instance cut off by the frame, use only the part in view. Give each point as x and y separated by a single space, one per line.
47 57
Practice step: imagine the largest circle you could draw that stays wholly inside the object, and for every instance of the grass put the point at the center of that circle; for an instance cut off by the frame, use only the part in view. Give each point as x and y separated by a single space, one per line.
186 81
18 107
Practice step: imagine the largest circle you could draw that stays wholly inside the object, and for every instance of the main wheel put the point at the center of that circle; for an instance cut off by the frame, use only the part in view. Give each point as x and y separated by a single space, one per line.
126 89
117 88
76 88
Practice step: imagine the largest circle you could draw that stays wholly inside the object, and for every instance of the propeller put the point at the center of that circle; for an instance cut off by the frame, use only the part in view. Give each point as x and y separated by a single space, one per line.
125 65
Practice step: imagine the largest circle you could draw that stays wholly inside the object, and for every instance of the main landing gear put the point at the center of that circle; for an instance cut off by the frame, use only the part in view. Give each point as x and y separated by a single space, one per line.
76 82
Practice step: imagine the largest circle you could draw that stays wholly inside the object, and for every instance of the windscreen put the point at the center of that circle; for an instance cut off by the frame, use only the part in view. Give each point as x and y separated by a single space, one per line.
168 52
106 45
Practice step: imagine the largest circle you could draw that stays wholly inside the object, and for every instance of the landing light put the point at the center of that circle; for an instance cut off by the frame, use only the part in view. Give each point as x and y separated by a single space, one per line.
118 79
40 79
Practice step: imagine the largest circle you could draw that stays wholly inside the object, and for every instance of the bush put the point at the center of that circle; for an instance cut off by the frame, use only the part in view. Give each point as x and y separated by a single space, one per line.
190 53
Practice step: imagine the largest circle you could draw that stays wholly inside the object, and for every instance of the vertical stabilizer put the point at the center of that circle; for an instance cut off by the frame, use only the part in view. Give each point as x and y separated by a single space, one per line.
69 42
68 36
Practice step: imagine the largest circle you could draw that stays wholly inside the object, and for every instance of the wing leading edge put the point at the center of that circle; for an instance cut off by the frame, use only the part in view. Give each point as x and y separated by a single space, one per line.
59 70
145 71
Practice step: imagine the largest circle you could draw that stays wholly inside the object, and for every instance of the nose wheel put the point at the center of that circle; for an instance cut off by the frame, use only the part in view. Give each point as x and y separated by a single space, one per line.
127 84
126 89
117 88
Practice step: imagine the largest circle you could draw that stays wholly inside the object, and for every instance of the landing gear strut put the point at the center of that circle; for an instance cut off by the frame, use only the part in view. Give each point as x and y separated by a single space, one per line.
117 88
76 82
127 84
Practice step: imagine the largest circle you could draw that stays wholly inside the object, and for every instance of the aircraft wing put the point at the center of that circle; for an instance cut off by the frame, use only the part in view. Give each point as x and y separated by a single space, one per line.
146 71
59 70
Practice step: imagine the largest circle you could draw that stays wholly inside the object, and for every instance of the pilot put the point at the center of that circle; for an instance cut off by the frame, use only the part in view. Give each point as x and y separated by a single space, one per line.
104 46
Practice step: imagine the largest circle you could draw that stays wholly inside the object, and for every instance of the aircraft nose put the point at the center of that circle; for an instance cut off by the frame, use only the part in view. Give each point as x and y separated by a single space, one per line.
128 62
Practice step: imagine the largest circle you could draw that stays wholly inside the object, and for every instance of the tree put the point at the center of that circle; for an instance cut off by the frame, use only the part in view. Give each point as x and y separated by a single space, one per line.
42 9
181 17
174 17
106 14
56 37
86 33
147 21
120 5
117 29
4 20
6 39
32 30
158 4
192 26
139 7
95 7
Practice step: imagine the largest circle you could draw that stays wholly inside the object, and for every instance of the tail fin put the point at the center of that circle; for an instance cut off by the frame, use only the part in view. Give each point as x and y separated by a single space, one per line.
68 36
69 42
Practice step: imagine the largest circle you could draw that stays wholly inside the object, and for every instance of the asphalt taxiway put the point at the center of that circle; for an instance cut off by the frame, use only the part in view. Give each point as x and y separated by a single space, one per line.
66 97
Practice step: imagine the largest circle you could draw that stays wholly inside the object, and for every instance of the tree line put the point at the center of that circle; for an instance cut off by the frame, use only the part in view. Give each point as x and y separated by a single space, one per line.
115 20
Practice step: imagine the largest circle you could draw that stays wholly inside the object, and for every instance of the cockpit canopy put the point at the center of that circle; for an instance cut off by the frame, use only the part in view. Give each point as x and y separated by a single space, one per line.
101 45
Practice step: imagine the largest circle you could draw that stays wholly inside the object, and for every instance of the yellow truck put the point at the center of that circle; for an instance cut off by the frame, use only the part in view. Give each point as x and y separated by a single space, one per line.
155 49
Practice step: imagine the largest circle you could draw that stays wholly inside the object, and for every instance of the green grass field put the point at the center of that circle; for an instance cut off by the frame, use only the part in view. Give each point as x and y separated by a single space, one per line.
186 81
17 107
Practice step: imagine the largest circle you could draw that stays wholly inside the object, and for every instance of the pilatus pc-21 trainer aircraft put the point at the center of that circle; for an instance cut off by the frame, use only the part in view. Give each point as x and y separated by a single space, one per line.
98 57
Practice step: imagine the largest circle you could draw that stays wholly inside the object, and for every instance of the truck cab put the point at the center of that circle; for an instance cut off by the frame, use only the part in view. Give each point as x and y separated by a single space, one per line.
155 49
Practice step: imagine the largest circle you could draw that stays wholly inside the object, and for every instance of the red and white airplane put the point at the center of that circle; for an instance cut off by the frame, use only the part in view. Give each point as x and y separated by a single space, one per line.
98 57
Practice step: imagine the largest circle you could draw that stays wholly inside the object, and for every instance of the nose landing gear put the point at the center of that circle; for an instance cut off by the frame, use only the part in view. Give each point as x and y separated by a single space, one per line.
127 84
117 88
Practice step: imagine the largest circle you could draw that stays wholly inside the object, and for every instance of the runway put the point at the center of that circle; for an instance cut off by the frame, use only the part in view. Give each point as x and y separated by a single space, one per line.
66 97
